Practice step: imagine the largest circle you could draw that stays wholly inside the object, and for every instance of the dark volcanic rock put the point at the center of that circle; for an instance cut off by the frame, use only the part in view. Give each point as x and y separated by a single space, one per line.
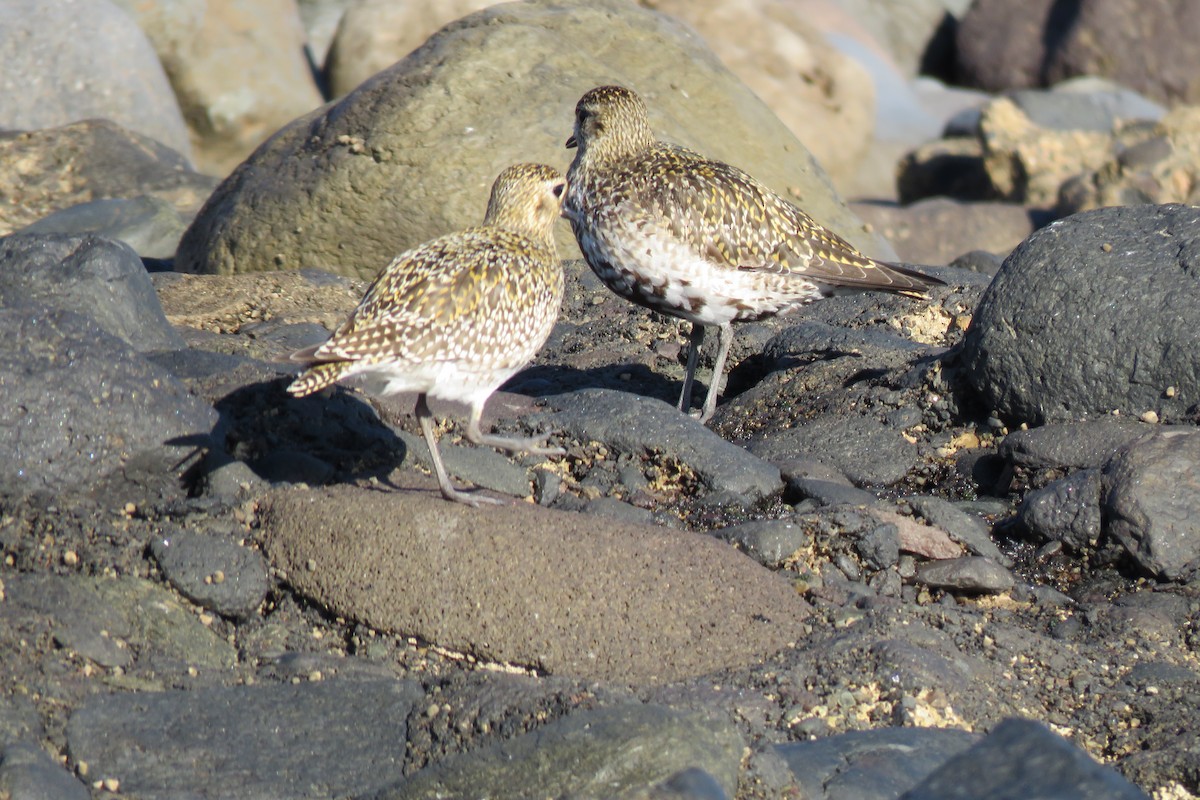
1072 445
28 772
1066 510
332 738
636 424
213 571
872 764
1023 758
607 752
1091 315
1152 503
79 405
101 278
967 574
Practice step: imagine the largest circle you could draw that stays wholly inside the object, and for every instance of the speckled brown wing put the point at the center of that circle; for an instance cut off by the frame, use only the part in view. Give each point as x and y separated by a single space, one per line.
424 306
731 219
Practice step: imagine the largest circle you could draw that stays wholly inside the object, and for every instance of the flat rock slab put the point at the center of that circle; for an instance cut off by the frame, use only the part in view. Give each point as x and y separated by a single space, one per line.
559 592
307 740
636 424
607 752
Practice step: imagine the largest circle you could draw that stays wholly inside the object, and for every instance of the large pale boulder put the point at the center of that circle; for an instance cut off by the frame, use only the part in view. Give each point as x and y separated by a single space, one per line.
412 153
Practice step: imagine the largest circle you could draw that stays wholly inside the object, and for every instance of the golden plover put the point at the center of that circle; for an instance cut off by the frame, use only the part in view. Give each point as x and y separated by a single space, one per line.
679 233
459 315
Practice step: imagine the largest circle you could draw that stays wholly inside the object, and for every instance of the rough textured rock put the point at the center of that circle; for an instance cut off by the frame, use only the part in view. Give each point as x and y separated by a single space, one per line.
80 404
90 275
1088 444
607 752
1023 758
530 586
1092 315
1067 510
411 153
51 170
1152 503
327 739
147 224
237 68
103 67
28 772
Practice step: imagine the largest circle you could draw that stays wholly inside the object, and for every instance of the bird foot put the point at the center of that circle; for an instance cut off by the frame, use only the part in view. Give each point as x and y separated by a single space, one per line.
536 445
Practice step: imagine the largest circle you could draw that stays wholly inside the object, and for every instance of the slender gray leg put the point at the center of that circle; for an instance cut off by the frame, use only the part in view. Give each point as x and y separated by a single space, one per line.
694 341
724 342
448 490
533 444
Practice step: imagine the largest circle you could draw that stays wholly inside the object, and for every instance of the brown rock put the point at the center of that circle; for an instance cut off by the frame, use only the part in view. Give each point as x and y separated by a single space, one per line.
559 592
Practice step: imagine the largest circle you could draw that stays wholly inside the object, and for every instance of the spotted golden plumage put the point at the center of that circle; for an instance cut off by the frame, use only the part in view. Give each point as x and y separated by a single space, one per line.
676 232
458 316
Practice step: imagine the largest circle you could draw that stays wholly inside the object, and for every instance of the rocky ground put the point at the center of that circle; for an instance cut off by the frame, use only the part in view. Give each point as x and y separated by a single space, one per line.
925 549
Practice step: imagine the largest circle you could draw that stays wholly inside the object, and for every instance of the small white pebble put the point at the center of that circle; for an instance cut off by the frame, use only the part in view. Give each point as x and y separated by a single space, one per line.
218 577
70 558
315 675
1150 417
311 565
1170 391
111 785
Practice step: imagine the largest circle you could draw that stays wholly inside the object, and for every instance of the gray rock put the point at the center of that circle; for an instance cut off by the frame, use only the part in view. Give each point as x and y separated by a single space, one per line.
1085 103
1125 278
967 574
80 406
330 738
962 527
1152 503
482 466
213 571
86 274
150 225
1066 510
564 593
820 338
27 772
880 548
102 66
634 424
938 230
419 144
1088 444
607 752
692 783
612 508
868 452
1023 758
829 493
117 621
871 765
768 541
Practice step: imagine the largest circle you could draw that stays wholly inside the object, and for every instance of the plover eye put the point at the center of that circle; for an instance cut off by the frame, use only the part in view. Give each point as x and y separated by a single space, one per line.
558 189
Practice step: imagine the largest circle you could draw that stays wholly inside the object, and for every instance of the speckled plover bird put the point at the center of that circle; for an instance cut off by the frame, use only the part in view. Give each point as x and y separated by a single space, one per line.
459 315
679 233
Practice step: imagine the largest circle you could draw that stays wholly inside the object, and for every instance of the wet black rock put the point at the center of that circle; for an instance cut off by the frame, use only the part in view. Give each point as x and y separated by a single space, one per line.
966 574
1085 444
1067 511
